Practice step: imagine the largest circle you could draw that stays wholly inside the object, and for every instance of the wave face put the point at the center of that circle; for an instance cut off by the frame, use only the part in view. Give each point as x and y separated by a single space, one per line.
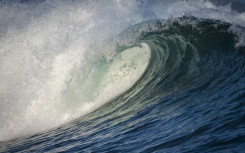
154 77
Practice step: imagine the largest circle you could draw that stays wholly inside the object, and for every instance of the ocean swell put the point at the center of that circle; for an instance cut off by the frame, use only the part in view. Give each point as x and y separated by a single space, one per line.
122 72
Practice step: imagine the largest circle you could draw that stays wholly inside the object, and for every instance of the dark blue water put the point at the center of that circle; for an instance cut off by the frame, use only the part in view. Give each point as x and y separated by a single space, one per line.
190 98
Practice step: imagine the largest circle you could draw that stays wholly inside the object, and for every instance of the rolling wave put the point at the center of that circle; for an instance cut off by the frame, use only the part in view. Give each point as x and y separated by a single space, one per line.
169 80
195 75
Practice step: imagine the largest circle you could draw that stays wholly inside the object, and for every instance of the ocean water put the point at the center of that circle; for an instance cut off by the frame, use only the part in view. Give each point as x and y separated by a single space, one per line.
122 76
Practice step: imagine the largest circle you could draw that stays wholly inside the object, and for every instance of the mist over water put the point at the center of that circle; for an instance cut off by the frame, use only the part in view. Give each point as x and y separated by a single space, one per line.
43 46
62 60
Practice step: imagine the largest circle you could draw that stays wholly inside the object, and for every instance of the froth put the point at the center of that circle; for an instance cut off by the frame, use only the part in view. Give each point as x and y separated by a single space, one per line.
42 50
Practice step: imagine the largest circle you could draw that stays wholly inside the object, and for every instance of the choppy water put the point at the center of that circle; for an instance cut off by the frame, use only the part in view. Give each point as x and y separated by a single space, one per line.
122 76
